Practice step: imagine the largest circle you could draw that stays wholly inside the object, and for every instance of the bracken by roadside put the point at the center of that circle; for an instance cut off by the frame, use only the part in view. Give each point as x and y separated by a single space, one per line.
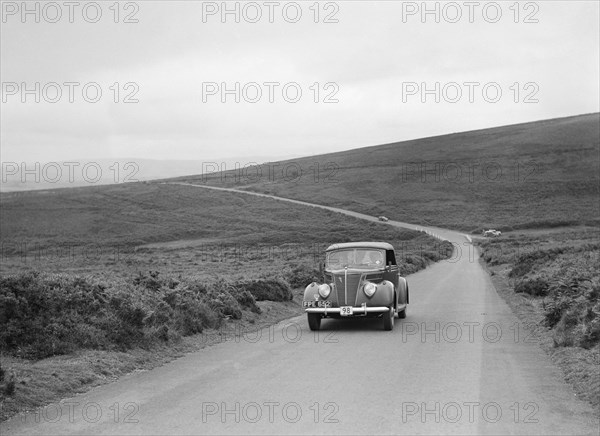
49 380
63 334
551 282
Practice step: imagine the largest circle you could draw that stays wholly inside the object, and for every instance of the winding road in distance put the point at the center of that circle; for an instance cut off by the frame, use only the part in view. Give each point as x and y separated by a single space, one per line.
460 363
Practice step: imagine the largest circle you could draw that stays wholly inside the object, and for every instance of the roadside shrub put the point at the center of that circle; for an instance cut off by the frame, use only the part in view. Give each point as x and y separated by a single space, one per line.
44 315
565 277
411 263
590 326
194 317
303 275
578 326
9 388
161 333
271 290
445 250
574 311
7 383
244 298
526 263
536 286
224 304
554 310
430 256
41 316
149 281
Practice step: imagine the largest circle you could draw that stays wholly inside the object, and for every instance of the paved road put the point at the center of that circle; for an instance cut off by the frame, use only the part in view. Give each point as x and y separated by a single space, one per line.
460 363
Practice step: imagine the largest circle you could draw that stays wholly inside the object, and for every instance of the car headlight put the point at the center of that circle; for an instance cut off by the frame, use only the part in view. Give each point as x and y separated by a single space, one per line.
324 290
369 289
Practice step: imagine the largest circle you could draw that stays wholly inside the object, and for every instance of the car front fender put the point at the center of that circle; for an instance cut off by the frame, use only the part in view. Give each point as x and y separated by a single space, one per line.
310 291
384 296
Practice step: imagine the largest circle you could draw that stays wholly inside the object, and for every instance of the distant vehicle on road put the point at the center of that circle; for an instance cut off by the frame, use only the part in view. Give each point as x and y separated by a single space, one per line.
492 233
383 218
361 279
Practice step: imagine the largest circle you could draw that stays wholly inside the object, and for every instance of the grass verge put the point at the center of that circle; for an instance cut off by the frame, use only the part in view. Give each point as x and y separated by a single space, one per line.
551 282
38 383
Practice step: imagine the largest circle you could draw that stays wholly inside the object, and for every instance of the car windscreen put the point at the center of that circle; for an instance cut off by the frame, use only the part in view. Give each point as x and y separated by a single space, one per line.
361 258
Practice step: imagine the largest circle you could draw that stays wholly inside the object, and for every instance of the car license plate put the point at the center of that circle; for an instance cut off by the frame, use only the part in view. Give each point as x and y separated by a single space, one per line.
320 303
346 310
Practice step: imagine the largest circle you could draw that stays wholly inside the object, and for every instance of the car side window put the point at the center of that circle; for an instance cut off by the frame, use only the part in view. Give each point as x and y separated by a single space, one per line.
390 257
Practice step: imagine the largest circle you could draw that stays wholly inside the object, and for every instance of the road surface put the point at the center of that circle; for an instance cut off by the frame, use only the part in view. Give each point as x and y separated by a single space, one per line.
460 363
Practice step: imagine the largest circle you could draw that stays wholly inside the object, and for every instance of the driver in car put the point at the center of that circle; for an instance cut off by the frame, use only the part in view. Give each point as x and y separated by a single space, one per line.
373 258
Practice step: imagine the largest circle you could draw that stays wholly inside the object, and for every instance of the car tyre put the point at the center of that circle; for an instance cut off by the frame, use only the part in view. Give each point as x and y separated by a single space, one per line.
388 320
314 321
402 314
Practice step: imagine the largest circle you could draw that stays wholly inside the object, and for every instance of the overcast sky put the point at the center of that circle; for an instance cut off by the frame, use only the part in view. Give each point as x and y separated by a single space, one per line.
374 52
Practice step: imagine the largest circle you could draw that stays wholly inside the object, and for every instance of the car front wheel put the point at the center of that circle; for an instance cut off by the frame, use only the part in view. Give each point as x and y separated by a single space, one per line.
402 314
388 320
314 321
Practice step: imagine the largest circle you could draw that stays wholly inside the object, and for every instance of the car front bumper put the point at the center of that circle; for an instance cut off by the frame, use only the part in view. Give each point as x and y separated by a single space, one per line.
356 310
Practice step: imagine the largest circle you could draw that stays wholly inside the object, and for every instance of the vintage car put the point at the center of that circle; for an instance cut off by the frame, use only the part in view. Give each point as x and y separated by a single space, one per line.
360 279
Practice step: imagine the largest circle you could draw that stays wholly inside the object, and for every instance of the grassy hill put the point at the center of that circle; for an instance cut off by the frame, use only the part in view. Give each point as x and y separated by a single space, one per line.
128 229
538 174
142 217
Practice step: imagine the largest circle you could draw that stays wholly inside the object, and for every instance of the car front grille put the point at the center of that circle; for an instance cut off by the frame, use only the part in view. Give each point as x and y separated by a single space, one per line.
340 288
